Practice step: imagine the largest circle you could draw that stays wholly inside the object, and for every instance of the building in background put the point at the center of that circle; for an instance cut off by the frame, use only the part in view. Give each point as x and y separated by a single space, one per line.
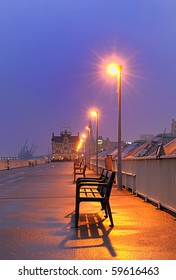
64 146
173 127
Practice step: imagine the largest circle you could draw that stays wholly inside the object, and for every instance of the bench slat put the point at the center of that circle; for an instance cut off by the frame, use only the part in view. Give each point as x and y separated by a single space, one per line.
89 192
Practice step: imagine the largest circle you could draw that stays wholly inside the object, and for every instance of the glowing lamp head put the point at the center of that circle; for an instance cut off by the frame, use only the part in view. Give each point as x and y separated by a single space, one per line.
94 113
113 69
83 136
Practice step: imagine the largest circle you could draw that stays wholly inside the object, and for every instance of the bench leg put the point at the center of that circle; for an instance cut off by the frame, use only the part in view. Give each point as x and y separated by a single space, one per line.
77 208
76 214
106 211
103 207
109 213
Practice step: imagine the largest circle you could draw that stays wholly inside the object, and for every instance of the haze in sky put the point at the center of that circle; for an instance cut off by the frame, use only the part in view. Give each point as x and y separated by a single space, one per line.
52 68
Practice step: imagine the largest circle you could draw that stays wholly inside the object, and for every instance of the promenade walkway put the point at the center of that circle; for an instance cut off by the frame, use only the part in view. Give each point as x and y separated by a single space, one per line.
37 221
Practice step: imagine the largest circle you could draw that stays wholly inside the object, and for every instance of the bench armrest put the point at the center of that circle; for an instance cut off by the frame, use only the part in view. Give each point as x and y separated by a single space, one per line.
87 180
90 184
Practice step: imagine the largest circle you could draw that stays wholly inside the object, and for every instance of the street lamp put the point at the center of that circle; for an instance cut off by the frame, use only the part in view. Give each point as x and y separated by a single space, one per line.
95 114
115 70
88 128
84 140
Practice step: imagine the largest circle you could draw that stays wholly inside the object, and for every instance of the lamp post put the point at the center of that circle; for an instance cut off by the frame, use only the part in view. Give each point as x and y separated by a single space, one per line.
88 128
115 69
84 140
95 114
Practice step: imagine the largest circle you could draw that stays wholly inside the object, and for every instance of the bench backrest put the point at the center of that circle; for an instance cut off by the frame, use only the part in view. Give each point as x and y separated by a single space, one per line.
78 165
104 174
105 190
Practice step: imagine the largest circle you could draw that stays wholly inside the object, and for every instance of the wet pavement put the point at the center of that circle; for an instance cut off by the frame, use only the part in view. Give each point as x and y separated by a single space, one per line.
37 221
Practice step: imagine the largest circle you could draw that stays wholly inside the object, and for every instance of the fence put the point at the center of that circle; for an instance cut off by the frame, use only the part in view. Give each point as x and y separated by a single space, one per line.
154 179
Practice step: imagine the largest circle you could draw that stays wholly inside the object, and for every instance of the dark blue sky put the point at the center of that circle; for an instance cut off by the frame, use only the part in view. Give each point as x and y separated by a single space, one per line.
52 54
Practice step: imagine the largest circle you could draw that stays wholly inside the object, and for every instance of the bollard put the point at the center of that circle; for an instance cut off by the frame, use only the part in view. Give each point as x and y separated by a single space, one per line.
8 167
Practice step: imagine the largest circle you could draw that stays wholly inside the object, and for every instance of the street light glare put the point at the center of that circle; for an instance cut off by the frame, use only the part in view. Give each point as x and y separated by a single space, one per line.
83 136
93 113
113 68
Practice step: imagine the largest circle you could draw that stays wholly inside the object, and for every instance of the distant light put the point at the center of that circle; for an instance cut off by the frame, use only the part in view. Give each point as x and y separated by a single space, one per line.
84 136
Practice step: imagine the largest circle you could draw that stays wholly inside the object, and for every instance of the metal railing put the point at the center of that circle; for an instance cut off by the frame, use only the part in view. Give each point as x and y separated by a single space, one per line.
6 164
154 179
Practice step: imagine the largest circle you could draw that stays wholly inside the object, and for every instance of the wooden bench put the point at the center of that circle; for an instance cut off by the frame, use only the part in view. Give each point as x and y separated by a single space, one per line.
95 191
77 165
80 171
101 178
